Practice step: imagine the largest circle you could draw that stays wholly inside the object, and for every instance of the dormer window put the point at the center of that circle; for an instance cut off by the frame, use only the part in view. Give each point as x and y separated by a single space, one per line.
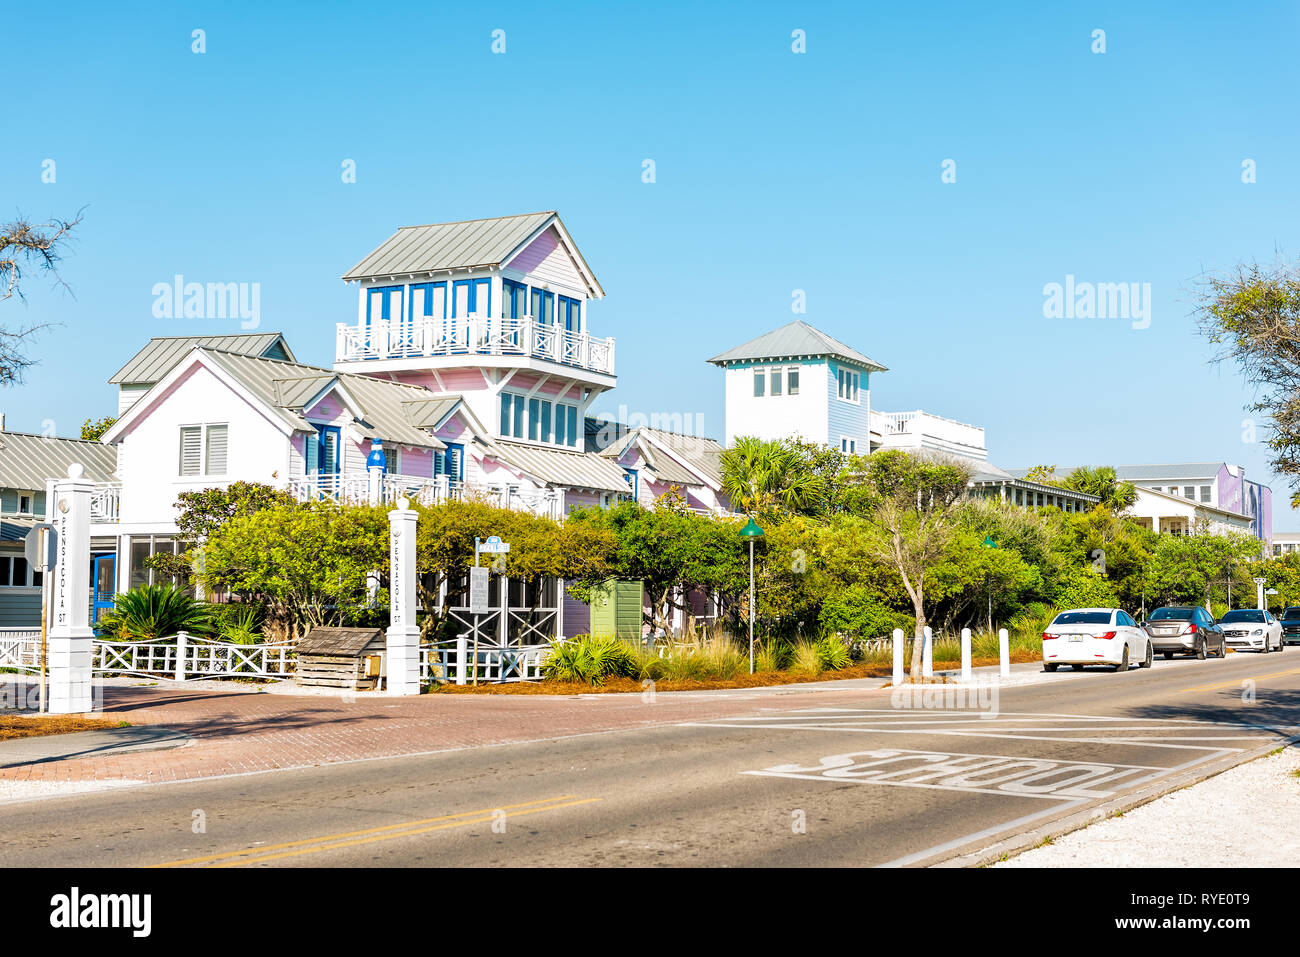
24 505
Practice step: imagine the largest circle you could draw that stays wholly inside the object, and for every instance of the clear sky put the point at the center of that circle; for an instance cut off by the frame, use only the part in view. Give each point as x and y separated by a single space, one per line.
775 171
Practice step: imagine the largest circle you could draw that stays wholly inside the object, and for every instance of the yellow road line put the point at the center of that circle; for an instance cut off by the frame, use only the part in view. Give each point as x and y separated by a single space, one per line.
344 834
1236 682
388 837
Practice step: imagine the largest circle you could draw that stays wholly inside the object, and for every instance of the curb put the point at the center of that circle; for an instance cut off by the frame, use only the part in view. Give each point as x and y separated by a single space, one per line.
1015 844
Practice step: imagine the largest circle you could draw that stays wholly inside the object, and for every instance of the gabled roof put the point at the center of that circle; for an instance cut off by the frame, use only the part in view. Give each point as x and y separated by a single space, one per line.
793 341
154 361
670 456
26 461
1191 503
470 244
557 467
288 388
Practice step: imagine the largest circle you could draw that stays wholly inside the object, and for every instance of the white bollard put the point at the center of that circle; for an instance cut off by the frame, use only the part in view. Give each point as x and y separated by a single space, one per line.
898 657
1004 653
965 654
182 651
927 653
462 659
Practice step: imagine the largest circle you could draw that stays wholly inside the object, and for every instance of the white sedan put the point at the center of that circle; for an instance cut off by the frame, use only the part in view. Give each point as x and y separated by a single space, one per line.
1095 636
1252 629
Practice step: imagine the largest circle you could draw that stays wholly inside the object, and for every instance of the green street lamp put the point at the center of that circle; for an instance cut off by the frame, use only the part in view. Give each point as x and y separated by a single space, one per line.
988 582
751 531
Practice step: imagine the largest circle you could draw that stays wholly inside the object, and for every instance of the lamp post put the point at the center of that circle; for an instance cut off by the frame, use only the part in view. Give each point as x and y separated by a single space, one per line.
988 579
751 531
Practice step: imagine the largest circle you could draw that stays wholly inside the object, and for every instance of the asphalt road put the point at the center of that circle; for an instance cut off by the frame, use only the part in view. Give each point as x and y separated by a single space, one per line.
852 777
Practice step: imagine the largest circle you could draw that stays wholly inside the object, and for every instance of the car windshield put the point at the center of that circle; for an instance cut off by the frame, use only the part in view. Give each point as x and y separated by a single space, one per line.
1243 614
1167 614
1291 614
1082 618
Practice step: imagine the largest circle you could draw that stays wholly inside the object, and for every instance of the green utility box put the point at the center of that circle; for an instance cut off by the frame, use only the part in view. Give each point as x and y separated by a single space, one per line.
616 609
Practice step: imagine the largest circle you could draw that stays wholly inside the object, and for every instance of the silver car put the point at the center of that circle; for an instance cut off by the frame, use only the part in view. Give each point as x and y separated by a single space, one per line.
1185 630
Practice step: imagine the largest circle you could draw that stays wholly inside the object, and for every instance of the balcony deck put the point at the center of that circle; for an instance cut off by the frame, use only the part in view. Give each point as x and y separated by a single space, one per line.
473 336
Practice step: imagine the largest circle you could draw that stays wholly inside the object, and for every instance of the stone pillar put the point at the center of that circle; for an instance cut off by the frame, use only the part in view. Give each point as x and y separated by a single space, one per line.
70 634
403 636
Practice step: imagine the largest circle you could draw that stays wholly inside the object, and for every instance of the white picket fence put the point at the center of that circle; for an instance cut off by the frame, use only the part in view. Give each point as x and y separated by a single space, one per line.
454 661
183 658
187 658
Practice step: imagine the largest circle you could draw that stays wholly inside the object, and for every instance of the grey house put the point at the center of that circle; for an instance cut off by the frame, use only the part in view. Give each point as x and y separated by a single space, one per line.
27 462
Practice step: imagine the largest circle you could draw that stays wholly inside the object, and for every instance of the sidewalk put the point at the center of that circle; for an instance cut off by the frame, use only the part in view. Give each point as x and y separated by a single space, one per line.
1244 817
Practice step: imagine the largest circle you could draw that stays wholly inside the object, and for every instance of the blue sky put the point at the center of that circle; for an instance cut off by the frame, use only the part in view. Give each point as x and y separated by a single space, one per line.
775 171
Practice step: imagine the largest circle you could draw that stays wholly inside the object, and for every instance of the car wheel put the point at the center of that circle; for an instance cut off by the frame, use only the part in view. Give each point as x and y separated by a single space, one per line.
1200 650
1150 655
1049 666
1123 662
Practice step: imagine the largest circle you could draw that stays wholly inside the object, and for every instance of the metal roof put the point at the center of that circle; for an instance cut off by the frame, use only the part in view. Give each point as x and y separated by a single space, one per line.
289 386
430 413
26 461
156 359
472 242
556 467
792 341
1148 473
14 529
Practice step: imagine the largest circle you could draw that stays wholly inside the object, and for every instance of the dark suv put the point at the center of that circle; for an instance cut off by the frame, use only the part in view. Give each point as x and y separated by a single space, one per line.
1291 625
1186 631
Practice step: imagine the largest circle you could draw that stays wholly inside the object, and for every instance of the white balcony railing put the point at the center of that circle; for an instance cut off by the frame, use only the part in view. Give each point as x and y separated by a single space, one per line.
474 335
106 503
354 488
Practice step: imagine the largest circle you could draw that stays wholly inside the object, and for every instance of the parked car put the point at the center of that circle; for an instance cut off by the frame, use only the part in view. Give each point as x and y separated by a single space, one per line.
1095 636
1252 629
1184 630
1291 625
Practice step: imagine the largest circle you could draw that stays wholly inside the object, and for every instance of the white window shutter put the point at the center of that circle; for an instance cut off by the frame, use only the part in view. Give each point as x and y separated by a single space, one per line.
191 445
217 443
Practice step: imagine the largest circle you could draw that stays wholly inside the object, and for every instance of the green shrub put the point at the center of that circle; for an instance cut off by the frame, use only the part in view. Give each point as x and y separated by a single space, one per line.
590 659
806 658
832 652
239 623
708 659
152 612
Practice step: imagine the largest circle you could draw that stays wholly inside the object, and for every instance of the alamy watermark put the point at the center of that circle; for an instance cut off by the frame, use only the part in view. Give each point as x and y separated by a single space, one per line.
1101 300
179 299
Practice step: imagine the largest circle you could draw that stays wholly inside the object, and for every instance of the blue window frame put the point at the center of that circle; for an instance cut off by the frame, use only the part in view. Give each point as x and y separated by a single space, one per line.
321 451
476 295
514 299
633 482
543 306
427 300
570 314
453 461
383 302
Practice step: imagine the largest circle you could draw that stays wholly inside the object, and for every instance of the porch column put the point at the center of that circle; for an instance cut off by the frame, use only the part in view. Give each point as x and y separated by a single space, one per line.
70 634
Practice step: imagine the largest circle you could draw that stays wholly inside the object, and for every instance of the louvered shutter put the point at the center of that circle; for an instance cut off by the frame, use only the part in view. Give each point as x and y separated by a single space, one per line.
217 445
191 449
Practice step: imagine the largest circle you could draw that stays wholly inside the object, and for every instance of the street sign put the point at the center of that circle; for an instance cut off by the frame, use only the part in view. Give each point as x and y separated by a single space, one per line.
495 545
41 546
478 591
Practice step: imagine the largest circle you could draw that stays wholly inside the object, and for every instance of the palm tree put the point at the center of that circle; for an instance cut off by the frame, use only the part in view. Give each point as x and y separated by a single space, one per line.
762 475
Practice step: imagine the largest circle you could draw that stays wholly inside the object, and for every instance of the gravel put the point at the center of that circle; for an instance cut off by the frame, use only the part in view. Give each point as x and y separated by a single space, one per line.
1244 817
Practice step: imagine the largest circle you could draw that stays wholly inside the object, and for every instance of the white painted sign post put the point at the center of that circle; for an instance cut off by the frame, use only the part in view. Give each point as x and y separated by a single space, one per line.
965 654
1004 654
927 653
898 657
1259 592
70 633
402 641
